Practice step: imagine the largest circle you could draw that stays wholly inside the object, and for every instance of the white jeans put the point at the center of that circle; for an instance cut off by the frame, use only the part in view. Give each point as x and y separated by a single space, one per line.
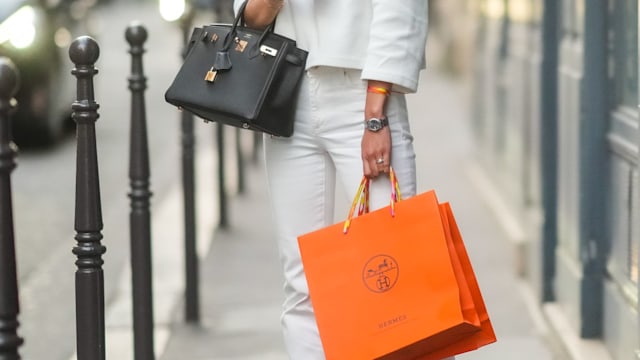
302 172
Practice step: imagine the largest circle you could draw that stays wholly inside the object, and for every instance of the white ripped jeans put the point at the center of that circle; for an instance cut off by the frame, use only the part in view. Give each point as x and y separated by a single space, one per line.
302 172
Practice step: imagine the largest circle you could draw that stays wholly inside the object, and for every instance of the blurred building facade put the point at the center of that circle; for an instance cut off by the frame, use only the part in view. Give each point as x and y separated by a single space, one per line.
556 123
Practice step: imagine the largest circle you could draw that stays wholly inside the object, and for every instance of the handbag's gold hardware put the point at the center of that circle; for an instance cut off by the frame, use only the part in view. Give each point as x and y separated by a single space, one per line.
211 75
242 45
267 50
214 37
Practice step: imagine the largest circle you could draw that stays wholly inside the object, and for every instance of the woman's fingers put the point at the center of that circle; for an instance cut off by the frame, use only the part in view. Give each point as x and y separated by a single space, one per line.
374 166
376 152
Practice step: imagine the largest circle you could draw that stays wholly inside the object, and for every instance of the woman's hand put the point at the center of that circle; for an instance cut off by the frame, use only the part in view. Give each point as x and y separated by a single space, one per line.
260 13
376 145
376 152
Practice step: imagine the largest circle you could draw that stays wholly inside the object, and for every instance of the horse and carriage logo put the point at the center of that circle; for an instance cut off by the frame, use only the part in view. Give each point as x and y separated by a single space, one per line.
380 273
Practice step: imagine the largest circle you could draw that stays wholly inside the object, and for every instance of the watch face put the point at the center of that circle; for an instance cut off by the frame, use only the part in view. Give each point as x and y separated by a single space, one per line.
374 124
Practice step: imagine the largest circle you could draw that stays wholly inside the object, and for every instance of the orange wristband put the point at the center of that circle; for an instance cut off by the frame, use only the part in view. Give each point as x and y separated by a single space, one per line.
378 90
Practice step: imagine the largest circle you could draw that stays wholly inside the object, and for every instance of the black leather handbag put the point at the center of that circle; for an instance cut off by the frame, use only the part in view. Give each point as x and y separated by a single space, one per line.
240 77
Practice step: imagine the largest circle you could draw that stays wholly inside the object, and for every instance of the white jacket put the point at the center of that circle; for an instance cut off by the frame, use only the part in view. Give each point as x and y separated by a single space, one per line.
385 39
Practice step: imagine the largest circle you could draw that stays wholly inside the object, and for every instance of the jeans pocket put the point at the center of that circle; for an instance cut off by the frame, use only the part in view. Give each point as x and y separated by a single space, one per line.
353 79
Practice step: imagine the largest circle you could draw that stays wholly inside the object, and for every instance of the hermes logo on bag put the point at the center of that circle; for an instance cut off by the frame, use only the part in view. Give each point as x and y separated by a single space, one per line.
380 273
396 320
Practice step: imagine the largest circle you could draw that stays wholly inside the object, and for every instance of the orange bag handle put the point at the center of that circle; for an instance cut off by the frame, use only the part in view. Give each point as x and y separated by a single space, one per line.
361 200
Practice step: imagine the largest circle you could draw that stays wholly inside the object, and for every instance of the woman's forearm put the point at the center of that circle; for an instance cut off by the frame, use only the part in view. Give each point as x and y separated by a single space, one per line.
260 13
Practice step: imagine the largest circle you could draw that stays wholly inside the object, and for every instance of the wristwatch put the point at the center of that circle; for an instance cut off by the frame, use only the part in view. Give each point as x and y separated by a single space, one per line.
376 124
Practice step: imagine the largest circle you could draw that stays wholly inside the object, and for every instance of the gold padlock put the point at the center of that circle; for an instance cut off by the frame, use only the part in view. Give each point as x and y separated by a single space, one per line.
211 75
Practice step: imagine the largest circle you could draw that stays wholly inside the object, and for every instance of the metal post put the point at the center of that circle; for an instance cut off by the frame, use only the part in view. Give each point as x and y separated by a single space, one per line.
9 300
240 162
140 195
549 143
593 161
192 302
90 329
257 145
222 192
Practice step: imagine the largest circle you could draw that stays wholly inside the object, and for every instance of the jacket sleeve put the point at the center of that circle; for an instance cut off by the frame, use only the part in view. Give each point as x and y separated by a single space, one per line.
397 41
236 5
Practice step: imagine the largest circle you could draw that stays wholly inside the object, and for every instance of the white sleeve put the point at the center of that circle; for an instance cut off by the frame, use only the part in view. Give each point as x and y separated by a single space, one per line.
236 5
397 41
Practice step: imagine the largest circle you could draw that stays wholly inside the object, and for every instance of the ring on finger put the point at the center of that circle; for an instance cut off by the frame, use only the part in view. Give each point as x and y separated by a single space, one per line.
380 161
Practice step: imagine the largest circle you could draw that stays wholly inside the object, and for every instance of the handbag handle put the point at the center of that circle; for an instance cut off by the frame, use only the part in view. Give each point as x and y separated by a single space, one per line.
223 61
361 200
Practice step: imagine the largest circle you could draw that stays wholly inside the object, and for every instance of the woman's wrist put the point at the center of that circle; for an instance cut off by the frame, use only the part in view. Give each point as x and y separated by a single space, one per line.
377 94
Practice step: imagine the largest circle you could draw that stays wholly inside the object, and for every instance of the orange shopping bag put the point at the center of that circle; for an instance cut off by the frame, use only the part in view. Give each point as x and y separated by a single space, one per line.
388 287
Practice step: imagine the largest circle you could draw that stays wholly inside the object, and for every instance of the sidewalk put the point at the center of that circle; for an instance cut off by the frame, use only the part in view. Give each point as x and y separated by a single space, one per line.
240 276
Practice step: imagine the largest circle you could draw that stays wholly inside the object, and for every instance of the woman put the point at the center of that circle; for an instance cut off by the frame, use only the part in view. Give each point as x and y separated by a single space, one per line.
351 119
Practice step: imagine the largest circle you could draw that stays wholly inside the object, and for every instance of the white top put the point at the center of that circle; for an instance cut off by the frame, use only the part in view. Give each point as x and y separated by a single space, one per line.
385 39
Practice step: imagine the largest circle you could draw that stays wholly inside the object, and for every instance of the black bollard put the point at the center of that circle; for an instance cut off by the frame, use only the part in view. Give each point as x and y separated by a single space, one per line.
140 195
9 303
257 145
192 291
222 178
90 329
240 162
